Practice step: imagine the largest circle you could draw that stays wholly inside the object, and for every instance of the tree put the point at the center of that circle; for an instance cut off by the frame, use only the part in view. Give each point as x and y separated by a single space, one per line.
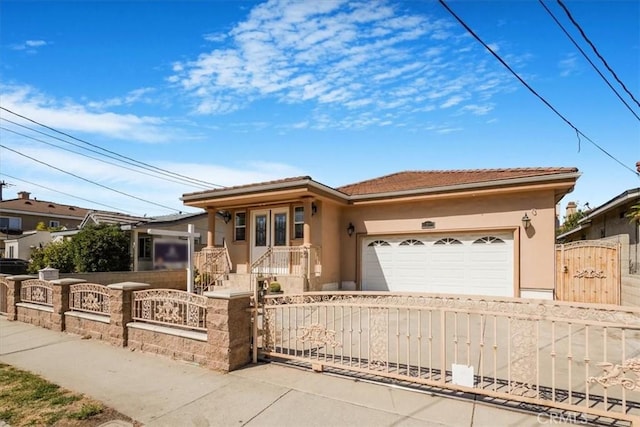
101 248
571 221
56 255
634 213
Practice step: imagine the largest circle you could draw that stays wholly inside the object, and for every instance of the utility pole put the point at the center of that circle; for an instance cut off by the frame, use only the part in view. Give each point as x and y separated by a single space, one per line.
2 185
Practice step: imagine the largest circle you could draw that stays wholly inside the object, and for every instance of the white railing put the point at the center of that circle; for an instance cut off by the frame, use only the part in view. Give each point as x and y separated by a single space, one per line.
575 357
301 261
37 292
211 264
171 308
90 298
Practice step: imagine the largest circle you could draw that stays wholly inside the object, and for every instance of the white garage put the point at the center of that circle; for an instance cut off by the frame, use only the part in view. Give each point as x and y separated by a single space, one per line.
469 263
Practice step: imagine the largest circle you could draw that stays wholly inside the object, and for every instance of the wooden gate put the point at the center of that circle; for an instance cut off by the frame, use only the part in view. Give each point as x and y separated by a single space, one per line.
588 271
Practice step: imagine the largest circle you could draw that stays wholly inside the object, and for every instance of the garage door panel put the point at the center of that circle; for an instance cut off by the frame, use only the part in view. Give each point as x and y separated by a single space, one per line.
458 264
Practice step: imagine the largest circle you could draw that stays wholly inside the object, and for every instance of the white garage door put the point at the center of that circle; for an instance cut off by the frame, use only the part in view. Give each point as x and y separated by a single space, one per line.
472 263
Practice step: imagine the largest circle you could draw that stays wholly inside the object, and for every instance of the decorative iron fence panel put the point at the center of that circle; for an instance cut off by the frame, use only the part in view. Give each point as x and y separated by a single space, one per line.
90 298
303 261
211 265
575 357
37 292
4 289
170 308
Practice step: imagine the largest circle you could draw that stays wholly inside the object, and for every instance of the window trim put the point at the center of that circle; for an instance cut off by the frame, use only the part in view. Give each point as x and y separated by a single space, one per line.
140 254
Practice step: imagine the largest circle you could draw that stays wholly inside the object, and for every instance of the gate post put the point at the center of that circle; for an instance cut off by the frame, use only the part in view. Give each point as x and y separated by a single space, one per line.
13 294
228 330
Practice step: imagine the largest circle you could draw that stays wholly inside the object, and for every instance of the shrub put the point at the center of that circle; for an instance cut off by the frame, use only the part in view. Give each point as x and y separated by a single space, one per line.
275 287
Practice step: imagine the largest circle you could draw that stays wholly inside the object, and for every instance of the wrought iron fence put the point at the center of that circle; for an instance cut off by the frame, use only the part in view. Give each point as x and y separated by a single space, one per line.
4 288
302 261
569 356
211 264
90 298
170 308
37 292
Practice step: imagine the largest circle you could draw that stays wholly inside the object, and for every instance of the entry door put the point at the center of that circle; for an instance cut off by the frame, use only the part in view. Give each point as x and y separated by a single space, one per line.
270 228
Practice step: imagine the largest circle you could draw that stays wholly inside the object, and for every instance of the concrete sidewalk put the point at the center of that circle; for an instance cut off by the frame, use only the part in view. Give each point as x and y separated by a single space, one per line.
158 391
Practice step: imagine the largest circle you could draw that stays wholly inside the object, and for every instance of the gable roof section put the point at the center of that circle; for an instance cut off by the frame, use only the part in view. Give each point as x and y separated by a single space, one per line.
42 208
422 180
399 184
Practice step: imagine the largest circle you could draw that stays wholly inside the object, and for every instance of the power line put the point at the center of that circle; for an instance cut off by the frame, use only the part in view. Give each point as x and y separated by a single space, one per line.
66 194
533 91
90 157
88 180
133 163
109 151
584 36
587 58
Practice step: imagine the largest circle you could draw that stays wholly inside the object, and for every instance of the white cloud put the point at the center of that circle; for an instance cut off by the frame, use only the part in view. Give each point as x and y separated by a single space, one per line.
568 65
71 116
215 37
133 97
30 46
342 55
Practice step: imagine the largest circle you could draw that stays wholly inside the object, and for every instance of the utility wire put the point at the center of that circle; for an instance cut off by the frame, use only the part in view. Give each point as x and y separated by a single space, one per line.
584 36
66 194
533 91
109 151
88 180
89 157
587 58
133 163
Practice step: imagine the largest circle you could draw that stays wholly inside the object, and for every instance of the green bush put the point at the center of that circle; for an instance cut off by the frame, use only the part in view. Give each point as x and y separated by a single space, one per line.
93 249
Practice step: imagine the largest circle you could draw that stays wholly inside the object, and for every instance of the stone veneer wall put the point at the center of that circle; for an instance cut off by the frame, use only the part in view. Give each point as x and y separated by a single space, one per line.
83 325
34 316
166 279
177 347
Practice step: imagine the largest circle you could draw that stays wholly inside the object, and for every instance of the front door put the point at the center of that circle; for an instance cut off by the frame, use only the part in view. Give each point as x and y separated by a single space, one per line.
270 228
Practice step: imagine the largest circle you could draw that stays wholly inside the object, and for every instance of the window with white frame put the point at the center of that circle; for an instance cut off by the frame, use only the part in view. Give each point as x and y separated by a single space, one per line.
54 224
240 226
298 222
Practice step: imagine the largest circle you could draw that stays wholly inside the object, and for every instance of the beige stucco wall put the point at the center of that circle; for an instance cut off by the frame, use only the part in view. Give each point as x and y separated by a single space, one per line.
534 249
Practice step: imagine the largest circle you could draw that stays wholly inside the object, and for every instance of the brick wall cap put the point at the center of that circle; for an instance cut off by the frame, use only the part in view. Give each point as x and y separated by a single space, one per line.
21 277
227 294
128 286
66 282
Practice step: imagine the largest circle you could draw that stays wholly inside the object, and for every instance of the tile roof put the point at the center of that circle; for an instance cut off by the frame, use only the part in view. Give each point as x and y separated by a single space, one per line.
416 180
42 207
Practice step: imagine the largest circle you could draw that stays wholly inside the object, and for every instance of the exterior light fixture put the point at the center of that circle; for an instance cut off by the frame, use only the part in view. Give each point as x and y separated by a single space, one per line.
526 221
350 229
314 208
226 216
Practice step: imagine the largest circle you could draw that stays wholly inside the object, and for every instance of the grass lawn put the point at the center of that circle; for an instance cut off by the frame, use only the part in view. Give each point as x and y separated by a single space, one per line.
27 399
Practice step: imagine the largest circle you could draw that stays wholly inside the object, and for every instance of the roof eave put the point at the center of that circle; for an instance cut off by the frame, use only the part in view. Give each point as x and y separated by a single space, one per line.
613 203
262 188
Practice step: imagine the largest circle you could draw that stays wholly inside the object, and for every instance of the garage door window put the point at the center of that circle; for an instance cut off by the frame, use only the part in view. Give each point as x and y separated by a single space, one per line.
448 241
488 240
411 242
379 243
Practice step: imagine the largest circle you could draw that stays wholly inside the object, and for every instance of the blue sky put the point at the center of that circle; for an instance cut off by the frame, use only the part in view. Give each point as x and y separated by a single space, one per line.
233 92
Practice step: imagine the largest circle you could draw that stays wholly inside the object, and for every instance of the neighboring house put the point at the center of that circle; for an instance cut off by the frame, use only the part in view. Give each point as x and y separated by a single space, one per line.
142 244
485 232
22 246
610 220
25 213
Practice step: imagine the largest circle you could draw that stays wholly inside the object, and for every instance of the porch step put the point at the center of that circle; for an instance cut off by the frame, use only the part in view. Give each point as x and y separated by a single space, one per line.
237 281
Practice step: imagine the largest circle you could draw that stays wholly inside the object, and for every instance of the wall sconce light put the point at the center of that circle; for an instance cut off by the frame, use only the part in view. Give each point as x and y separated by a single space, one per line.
226 216
314 208
350 229
526 221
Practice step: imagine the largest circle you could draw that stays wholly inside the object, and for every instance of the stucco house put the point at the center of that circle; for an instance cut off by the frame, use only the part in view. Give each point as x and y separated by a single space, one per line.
484 232
25 213
610 220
